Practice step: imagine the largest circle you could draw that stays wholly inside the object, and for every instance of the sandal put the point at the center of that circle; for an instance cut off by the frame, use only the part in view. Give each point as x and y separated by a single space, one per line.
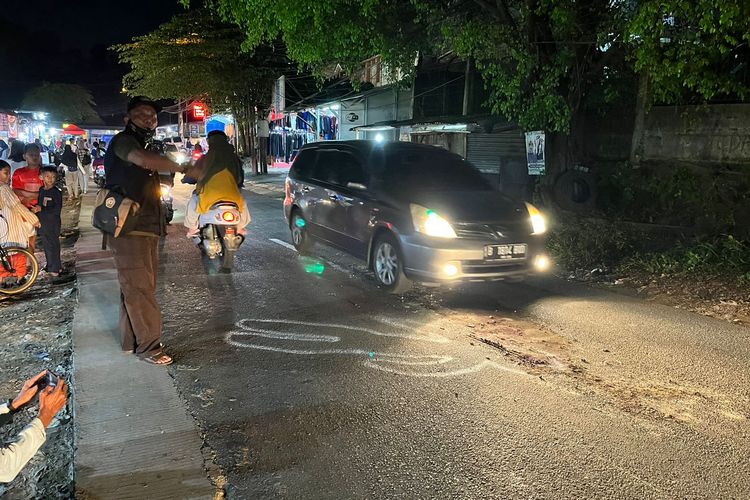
159 359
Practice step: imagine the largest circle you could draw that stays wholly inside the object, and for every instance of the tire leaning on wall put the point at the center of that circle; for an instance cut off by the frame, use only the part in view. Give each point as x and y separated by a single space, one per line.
575 191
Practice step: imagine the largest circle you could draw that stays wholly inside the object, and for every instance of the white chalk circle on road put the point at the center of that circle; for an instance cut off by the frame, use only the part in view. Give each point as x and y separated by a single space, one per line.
249 332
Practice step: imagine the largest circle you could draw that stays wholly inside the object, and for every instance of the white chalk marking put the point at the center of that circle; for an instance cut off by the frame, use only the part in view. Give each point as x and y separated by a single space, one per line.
428 338
271 334
453 373
435 358
381 361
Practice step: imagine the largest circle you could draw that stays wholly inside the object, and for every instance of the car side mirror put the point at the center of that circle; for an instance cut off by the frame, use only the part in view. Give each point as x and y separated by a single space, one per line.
356 185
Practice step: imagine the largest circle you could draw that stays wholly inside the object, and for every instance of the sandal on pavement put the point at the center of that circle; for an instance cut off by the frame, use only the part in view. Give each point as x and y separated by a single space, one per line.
159 359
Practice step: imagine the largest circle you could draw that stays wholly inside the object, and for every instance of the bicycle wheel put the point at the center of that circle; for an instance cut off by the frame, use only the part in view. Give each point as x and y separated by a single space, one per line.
9 258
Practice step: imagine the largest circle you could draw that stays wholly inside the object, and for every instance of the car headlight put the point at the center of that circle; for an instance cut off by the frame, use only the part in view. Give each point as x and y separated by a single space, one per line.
538 225
429 223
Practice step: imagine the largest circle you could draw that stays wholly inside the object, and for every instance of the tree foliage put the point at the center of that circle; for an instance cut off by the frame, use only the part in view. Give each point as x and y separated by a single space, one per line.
319 33
196 55
542 61
694 47
64 102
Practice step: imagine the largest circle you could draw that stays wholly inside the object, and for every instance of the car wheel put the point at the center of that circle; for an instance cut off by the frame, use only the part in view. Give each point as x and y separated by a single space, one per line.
301 238
388 265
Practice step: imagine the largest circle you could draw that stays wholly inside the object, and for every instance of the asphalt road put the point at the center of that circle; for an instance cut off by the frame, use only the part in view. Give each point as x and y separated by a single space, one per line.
309 382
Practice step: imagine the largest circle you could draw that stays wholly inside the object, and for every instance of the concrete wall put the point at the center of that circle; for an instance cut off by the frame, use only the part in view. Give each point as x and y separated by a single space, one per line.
719 133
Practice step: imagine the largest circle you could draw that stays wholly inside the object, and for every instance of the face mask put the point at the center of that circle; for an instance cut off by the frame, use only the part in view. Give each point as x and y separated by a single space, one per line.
144 134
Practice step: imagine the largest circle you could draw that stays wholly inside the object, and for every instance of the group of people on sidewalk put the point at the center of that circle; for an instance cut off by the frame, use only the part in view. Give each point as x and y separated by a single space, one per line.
30 206
76 161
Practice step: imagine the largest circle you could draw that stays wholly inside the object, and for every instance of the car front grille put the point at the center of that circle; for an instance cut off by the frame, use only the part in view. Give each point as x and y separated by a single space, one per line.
470 267
497 232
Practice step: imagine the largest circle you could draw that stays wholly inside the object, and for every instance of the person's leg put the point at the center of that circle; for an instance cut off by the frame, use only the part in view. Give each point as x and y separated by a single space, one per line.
50 237
134 260
55 253
191 214
69 180
127 335
77 183
83 179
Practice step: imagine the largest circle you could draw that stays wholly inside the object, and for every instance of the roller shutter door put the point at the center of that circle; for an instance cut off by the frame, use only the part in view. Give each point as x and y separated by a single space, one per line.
501 157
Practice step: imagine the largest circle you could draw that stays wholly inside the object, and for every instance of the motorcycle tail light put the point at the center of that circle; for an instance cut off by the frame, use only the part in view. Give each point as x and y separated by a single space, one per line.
228 217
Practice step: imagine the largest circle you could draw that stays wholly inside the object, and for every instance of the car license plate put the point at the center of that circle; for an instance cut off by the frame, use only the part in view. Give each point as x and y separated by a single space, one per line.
505 252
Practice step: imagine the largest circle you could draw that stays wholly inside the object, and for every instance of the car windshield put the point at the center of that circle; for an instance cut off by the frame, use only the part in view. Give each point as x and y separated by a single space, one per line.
430 170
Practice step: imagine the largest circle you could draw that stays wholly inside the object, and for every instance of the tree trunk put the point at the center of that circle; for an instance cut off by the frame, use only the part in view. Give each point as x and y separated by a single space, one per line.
641 104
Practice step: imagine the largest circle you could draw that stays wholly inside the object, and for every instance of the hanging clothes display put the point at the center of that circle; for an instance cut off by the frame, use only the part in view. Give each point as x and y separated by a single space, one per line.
290 131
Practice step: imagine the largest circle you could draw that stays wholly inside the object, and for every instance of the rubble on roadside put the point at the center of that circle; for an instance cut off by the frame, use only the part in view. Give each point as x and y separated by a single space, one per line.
36 335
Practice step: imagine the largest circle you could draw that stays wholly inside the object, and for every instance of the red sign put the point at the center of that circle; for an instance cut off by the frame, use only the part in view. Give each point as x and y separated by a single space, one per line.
199 111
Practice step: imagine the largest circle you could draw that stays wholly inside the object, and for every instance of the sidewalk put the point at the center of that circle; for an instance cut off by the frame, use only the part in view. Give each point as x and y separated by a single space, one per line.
134 437
270 184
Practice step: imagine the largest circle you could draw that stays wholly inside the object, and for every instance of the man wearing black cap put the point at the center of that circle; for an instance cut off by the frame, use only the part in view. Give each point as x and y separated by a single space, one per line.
133 171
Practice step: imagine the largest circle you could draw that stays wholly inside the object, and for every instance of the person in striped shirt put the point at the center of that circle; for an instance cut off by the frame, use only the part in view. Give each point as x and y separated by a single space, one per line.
17 226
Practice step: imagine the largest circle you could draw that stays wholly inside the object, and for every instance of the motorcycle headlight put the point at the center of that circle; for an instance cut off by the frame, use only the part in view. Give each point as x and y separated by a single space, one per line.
538 224
429 223
166 191
180 157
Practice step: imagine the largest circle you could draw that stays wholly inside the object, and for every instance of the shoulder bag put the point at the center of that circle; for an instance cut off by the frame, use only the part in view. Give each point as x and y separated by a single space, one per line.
114 213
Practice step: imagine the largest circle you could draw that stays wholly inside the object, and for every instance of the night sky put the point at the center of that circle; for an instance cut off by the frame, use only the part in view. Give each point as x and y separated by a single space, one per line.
44 41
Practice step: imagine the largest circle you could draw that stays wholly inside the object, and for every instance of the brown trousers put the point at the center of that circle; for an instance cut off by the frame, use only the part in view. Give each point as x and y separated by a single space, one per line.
137 261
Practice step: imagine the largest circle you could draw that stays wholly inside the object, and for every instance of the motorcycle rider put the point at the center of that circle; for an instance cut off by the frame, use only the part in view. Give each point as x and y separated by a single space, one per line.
218 175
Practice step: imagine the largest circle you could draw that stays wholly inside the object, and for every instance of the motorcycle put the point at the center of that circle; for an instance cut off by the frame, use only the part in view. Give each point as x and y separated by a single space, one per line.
98 167
166 202
195 156
218 236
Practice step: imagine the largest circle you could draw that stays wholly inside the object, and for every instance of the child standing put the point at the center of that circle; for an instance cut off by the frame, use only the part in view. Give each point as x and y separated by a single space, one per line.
48 208
18 227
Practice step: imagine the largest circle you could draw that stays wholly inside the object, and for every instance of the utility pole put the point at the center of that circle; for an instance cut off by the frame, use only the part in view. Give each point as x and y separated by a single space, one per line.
467 87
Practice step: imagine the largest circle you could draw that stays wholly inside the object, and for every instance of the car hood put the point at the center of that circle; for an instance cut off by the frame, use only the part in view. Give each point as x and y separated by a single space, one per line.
472 206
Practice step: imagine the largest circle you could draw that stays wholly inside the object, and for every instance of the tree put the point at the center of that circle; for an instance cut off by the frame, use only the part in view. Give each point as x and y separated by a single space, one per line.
544 62
64 102
692 50
539 59
195 55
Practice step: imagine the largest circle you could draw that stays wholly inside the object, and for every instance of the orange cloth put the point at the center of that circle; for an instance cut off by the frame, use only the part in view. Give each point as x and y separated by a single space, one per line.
19 263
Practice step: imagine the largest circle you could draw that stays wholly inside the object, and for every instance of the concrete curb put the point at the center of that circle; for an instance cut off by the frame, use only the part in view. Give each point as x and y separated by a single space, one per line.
134 437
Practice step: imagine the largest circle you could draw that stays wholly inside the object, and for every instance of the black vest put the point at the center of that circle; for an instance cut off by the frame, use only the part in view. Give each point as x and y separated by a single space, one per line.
138 184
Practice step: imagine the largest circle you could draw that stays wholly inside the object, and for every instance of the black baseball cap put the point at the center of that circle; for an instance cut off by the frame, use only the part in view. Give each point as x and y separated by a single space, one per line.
142 101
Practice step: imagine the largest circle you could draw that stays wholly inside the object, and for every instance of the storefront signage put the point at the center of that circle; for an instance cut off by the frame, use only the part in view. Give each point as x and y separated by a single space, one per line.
197 113
535 152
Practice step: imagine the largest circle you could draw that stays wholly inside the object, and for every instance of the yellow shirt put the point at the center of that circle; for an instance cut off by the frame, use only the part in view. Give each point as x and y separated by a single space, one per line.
221 187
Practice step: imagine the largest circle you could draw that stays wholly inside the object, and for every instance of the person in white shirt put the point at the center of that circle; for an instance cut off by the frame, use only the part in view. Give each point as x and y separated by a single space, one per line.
15 456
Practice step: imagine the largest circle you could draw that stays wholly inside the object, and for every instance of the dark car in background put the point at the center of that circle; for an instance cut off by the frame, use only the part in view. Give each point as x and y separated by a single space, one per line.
412 212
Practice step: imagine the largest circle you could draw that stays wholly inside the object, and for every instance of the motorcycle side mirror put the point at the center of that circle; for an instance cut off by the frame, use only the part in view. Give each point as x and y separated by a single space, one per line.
356 185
